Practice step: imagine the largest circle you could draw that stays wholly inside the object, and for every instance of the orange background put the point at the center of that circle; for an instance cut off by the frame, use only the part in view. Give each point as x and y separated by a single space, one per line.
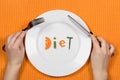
102 17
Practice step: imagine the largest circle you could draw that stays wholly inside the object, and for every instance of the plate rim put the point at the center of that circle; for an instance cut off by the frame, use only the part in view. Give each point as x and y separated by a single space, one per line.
40 70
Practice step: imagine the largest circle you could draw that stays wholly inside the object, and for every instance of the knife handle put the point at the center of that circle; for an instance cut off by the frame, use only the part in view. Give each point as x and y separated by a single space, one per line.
91 32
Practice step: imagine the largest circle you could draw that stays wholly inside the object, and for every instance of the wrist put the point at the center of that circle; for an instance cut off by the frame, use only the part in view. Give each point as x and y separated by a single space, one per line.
100 75
12 71
14 63
10 65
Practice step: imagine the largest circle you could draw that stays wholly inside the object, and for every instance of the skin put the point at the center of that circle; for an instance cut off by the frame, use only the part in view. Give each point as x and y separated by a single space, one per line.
100 56
15 51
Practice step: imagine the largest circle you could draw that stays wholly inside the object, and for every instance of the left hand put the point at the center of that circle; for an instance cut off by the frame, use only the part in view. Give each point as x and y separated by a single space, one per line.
15 49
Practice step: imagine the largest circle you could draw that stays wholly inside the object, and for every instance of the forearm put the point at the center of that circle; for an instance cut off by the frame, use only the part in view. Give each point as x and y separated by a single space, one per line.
12 72
100 75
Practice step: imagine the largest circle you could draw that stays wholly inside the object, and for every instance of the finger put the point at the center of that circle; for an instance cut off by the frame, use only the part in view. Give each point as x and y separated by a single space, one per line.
108 45
108 48
15 37
22 47
95 41
103 43
20 38
9 39
7 42
111 49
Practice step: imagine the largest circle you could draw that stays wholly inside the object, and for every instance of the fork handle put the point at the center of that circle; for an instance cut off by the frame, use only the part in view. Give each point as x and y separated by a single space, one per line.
3 47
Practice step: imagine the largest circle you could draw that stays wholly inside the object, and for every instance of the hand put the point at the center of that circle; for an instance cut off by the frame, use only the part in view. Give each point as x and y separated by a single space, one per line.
100 56
15 48
15 51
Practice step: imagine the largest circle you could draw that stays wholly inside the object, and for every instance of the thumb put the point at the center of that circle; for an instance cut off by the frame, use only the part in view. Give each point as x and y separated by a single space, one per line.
94 41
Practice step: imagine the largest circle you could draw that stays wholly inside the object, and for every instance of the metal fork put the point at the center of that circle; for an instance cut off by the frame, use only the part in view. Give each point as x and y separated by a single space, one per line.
30 25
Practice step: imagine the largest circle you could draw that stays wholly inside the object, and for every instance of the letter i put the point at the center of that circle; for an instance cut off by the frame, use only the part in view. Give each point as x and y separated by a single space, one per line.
54 42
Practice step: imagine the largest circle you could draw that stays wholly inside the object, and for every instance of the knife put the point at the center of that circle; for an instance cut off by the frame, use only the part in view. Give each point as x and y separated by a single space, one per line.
79 26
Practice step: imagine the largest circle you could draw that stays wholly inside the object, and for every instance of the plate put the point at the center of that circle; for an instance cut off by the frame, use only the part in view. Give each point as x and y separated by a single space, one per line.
57 47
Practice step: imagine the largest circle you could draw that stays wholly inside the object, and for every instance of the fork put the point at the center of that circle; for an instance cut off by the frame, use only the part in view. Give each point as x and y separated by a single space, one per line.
30 25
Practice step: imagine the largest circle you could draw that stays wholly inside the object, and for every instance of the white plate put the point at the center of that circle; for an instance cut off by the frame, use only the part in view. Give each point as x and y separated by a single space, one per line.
72 47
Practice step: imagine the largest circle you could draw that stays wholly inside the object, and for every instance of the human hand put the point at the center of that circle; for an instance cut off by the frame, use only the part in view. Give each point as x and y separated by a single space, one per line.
100 56
15 49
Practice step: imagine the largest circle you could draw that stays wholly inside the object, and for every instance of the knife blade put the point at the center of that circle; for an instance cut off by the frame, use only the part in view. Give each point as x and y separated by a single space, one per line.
79 26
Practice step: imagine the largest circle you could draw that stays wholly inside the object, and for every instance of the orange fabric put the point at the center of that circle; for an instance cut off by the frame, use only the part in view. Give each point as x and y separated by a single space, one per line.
102 17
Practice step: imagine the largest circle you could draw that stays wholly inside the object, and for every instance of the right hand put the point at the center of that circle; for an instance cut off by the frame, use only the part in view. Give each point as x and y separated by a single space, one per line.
100 56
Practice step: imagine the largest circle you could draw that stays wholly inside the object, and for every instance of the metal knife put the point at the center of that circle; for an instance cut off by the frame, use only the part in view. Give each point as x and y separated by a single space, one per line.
77 24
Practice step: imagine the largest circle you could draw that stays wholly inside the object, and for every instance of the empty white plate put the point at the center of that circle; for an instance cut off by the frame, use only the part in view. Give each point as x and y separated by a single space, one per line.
57 47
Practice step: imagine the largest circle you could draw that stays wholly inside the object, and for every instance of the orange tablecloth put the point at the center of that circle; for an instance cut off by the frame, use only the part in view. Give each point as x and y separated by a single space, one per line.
102 17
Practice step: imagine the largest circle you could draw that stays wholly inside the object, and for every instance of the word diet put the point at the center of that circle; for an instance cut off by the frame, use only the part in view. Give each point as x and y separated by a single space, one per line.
61 43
